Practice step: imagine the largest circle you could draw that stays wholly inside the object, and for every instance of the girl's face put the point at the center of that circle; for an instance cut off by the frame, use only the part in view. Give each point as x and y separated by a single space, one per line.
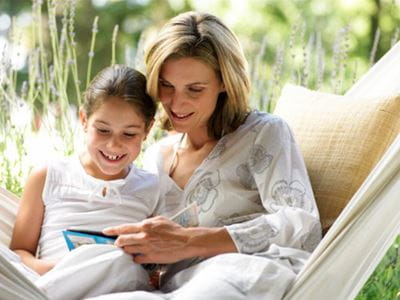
188 91
114 137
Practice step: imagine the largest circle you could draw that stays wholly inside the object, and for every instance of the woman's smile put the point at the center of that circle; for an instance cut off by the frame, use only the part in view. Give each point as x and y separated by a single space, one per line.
189 90
181 117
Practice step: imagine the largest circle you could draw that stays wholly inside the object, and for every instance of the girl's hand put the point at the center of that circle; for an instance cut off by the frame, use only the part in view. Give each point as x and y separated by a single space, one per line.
40 266
43 266
154 240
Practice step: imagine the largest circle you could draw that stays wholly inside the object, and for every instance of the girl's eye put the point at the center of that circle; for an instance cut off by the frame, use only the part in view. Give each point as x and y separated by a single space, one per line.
103 131
130 135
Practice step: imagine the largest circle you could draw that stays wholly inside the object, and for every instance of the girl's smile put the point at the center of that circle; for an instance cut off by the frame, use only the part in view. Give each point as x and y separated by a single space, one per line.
115 132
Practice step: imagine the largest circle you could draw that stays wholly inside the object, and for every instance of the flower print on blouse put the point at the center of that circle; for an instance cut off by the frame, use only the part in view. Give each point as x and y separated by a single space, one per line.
254 183
205 193
288 194
259 159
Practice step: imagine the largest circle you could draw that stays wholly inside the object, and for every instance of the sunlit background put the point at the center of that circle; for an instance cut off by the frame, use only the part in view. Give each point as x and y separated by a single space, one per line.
267 30
320 44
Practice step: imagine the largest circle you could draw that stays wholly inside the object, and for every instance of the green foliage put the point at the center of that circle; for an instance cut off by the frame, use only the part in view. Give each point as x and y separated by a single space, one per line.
384 283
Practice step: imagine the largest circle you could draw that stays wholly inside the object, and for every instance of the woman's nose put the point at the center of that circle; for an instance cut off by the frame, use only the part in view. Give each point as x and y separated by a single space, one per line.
176 101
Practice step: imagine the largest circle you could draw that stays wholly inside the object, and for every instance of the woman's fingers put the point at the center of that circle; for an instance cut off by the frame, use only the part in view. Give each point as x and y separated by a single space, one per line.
134 227
132 239
135 250
154 240
142 259
123 229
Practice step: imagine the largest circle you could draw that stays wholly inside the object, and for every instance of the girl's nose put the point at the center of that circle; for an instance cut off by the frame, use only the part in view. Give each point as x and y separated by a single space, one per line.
113 142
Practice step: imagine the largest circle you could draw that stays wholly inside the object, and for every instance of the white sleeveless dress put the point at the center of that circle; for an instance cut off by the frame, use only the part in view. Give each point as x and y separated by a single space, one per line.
72 198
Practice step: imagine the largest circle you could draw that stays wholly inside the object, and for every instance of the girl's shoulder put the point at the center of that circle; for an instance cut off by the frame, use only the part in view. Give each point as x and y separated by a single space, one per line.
141 174
59 167
38 173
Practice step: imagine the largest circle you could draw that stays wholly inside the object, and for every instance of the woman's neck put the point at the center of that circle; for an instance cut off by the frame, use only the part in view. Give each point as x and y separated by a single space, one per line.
196 141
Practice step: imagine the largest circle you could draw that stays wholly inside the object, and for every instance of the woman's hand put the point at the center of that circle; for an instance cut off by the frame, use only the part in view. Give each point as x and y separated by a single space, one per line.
154 240
159 240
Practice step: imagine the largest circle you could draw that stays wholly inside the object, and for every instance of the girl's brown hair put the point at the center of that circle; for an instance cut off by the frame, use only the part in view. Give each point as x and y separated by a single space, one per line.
124 82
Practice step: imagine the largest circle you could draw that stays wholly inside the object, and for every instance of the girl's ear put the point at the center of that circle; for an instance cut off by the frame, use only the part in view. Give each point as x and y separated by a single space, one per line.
148 129
83 119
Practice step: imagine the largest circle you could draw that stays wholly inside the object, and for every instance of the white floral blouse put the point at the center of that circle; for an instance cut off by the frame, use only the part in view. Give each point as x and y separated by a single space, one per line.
254 182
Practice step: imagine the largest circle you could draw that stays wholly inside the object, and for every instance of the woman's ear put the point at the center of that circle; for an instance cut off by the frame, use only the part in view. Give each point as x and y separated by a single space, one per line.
83 119
222 88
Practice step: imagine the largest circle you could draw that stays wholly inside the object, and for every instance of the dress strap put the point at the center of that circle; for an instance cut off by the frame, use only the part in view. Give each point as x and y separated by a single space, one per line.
174 159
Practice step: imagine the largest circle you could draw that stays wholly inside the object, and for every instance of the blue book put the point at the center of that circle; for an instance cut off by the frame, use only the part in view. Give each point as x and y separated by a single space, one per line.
78 237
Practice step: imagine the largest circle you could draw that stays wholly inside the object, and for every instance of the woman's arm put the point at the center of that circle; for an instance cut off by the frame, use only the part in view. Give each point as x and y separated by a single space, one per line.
159 240
291 218
28 223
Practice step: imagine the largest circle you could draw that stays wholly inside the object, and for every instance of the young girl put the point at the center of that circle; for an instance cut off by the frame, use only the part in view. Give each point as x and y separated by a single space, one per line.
99 188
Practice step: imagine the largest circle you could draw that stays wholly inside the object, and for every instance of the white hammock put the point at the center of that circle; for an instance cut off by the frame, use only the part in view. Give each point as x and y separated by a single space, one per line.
351 249
364 231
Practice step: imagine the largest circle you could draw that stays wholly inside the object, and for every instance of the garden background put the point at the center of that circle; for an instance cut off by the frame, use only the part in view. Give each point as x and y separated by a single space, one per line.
50 50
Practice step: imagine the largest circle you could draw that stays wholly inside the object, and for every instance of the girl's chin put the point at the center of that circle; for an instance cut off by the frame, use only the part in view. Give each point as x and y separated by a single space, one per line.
108 174
113 171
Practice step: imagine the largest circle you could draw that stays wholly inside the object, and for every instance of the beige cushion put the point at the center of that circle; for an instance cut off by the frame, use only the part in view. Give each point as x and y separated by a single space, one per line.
341 139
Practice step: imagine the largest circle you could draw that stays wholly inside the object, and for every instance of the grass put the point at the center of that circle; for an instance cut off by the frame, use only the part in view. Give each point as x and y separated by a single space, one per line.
384 283
49 98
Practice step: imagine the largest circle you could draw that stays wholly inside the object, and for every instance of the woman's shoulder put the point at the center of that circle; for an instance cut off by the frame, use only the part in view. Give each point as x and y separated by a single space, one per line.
154 155
258 121
260 117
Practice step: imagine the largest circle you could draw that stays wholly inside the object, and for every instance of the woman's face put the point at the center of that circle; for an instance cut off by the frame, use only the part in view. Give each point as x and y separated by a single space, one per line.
188 91
114 134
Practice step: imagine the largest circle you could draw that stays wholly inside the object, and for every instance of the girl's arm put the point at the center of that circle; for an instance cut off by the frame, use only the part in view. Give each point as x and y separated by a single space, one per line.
28 223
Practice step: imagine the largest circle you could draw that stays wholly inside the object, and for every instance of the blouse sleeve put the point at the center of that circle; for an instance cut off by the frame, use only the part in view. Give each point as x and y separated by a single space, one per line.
291 218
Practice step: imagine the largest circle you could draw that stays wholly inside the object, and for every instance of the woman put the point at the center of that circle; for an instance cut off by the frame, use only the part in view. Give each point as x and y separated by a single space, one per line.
258 218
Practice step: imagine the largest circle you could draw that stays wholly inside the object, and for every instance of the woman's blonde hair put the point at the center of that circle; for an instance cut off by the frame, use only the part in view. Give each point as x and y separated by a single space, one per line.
203 36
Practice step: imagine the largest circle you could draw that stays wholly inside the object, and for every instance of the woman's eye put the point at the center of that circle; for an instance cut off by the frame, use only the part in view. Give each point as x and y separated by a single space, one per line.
195 90
165 85
130 135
